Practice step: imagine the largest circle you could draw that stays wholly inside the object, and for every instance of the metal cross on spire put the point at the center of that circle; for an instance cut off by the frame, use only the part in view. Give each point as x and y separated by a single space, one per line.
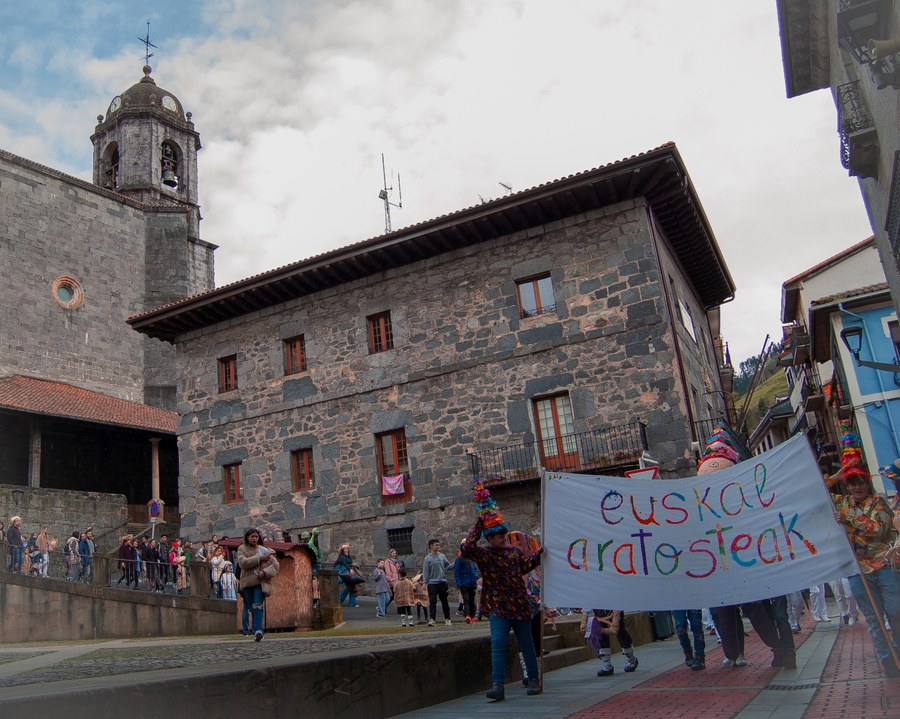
147 45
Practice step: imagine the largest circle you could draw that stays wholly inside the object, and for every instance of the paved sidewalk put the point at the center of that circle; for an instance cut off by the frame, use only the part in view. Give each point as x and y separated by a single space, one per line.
830 682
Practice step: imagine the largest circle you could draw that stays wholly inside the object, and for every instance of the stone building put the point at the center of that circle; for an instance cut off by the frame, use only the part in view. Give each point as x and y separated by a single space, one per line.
81 394
574 325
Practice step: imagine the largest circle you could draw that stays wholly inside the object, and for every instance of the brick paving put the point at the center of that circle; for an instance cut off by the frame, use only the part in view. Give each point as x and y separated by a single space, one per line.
853 683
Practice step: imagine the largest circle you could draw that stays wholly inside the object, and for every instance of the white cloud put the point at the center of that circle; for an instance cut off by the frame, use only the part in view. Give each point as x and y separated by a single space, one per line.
295 103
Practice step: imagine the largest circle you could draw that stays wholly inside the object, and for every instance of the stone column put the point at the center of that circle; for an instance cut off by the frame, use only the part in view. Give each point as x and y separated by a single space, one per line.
200 582
34 455
100 569
329 613
154 468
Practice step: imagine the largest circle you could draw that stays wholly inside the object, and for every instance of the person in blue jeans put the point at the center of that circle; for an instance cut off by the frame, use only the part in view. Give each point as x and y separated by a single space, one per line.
258 568
694 656
342 565
504 599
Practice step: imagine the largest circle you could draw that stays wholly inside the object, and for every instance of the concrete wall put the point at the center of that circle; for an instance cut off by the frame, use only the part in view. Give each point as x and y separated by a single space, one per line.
35 609
464 371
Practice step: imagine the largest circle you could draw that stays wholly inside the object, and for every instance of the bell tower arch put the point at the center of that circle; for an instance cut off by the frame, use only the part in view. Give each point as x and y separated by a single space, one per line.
146 146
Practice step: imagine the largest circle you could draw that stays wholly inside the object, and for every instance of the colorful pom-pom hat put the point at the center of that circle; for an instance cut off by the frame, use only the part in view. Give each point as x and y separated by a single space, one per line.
491 519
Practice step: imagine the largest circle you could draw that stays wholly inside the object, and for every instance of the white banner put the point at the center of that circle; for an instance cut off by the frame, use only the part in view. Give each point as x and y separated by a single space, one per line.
760 529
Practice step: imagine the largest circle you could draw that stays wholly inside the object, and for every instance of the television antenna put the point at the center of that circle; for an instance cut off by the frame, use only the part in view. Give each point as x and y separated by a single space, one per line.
385 196
147 45
506 187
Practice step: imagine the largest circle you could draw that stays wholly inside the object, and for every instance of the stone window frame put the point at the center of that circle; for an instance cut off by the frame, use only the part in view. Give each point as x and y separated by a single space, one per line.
401 539
294 350
540 306
303 475
380 332
399 463
227 373
70 285
231 480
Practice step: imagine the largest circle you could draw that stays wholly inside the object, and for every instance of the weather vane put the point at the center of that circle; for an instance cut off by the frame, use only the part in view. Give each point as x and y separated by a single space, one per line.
147 45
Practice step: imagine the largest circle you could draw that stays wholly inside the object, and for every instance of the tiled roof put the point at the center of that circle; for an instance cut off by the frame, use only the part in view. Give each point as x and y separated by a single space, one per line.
38 396
658 175
848 294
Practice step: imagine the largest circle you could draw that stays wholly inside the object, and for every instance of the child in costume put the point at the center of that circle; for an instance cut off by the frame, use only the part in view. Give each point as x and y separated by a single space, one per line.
598 628
405 597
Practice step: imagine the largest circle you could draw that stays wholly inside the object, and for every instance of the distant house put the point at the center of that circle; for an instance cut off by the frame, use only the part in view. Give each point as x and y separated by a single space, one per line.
572 326
826 385
773 428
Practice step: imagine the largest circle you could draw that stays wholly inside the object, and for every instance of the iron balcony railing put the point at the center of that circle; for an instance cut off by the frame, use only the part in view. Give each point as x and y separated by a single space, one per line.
597 450
859 143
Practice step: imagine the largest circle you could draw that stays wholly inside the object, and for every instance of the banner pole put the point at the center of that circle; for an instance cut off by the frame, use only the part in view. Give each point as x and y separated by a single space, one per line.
543 573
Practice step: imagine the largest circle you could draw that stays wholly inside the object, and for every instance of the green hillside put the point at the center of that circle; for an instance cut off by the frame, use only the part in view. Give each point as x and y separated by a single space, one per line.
763 398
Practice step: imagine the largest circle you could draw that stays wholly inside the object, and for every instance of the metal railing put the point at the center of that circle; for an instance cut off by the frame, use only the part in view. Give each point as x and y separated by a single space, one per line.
853 116
600 449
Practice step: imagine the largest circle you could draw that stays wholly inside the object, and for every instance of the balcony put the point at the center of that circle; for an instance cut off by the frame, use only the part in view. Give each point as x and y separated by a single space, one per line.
858 23
859 140
596 451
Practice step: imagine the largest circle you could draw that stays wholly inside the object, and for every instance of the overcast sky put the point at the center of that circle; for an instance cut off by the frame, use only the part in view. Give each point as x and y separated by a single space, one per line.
296 101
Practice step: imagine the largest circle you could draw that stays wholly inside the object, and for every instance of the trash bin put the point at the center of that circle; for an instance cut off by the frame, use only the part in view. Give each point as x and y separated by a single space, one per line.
663 624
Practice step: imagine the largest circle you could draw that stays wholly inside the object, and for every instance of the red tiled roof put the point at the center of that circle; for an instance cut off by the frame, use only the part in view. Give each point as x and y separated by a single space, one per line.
38 396
831 260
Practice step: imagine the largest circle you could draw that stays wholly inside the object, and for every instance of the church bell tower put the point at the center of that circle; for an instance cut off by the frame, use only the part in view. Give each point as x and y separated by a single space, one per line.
146 148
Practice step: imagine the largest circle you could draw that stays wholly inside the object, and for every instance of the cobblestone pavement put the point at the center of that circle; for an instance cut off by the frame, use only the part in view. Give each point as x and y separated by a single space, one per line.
78 660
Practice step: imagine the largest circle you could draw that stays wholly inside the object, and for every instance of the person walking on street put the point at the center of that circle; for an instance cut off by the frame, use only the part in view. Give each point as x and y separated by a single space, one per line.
382 589
73 557
694 654
258 568
434 574
343 565
43 546
503 596
465 574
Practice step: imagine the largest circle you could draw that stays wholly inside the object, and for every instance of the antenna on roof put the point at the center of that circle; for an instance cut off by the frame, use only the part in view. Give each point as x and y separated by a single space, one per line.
506 187
147 45
385 196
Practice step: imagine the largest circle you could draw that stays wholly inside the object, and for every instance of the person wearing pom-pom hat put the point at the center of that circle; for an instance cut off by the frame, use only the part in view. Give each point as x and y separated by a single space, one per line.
504 597
867 520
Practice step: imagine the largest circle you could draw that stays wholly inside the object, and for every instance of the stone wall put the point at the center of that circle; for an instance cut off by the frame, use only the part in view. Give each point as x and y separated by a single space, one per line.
64 512
464 372
51 227
34 609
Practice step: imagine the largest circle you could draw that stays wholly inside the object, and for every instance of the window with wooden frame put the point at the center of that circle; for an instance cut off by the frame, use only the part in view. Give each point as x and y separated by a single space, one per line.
228 373
535 296
381 336
294 355
302 470
556 433
390 449
231 476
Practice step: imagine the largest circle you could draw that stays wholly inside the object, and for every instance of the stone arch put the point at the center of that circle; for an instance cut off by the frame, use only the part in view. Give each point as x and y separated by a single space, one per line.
171 158
109 166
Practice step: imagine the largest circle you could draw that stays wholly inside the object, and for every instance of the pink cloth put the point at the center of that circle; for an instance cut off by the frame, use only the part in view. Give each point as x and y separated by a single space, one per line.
392 485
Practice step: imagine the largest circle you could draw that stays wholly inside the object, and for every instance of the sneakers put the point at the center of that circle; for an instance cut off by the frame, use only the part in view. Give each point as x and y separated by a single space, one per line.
631 664
496 693
852 619
740 661
688 660
727 662
402 620
259 635
469 620
534 687
448 623
431 622
822 618
698 665
606 670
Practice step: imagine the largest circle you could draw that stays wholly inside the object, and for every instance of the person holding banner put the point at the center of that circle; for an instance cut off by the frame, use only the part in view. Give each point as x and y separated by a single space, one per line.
868 521
503 595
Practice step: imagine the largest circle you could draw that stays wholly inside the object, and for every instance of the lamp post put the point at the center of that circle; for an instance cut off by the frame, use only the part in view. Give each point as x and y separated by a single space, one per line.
852 338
